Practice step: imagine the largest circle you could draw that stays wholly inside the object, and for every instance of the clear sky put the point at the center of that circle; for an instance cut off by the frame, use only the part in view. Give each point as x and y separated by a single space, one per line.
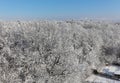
59 8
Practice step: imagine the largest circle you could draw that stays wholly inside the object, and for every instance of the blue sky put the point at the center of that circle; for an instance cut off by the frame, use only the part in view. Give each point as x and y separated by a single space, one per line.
59 8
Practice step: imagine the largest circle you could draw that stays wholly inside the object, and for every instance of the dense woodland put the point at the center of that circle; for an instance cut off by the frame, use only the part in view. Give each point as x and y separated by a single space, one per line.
55 51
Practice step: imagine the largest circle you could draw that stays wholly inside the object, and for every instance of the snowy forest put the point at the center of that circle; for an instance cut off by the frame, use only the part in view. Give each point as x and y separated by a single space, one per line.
56 51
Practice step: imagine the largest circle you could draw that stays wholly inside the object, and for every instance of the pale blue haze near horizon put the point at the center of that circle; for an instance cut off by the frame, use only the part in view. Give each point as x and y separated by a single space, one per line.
109 9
